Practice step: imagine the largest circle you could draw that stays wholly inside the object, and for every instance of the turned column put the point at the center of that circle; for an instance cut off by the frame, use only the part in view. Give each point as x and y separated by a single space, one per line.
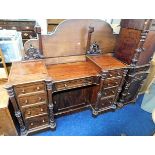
37 29
11 93
50 103
99 94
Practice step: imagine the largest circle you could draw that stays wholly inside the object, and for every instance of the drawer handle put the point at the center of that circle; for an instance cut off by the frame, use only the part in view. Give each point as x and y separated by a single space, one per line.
43 121
65 85
26 34
26 101
116 82
23 91
41 109
113 92
110 75
118 74
38 88
29 112
40 98
31 124
108 84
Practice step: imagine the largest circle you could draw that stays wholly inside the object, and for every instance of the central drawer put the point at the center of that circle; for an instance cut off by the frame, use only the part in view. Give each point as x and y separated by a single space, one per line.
36 121
74 83
32 99
38 109
29 88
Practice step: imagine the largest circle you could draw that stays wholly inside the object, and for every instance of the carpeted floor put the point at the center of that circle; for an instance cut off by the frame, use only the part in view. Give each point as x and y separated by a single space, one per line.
130 120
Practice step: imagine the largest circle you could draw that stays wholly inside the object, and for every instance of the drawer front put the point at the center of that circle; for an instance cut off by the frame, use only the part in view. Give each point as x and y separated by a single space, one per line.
112 82
29 88
143 68
34 110
27 100
74 83
106 102
109 92
115 73
36 121
28 34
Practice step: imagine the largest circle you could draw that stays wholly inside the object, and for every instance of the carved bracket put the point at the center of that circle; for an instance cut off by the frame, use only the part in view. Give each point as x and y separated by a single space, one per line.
32 53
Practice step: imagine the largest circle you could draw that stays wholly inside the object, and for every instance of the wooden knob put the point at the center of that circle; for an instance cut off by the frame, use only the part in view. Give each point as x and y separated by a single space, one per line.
31 124
29 112
118 74
40 98
23 91
41 109
65 85
43 121
26 34
113 92
116 82
110 75
38 88
26 101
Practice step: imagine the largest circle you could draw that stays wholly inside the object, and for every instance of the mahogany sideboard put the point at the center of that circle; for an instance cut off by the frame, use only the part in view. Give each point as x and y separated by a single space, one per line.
74 68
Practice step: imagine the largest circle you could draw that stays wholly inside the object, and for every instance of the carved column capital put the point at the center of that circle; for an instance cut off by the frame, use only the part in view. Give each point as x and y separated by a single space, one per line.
48 84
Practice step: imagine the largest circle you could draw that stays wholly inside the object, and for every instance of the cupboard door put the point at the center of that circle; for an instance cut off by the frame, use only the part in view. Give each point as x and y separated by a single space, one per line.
70 100
130 92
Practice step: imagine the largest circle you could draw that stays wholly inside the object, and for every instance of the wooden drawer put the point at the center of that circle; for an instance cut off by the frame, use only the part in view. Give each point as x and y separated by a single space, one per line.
109 91
32 99
142 68
34 110
37 121
29 88
115 73
112 82
106 102
74 83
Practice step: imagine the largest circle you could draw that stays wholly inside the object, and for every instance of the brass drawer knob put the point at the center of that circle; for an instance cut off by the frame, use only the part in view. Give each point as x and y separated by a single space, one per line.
41 109
65 85
29 112
43 120
26 101
26 34
31 124
40 98
38 88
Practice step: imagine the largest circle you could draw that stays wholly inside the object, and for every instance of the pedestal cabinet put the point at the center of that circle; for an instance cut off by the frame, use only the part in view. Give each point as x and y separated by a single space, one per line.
135 47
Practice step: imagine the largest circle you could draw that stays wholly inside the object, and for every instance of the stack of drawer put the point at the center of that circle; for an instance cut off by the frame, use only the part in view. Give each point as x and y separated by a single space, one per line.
109 90
32 101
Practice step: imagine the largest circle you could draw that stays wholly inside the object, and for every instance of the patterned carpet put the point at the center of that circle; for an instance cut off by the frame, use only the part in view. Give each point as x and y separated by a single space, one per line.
130 120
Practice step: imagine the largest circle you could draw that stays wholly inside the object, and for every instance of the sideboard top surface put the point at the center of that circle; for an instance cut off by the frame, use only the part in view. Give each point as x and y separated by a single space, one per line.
27 71
31 71
107 62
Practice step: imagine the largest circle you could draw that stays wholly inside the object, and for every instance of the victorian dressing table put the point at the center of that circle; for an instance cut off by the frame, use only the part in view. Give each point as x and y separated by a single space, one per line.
67 71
